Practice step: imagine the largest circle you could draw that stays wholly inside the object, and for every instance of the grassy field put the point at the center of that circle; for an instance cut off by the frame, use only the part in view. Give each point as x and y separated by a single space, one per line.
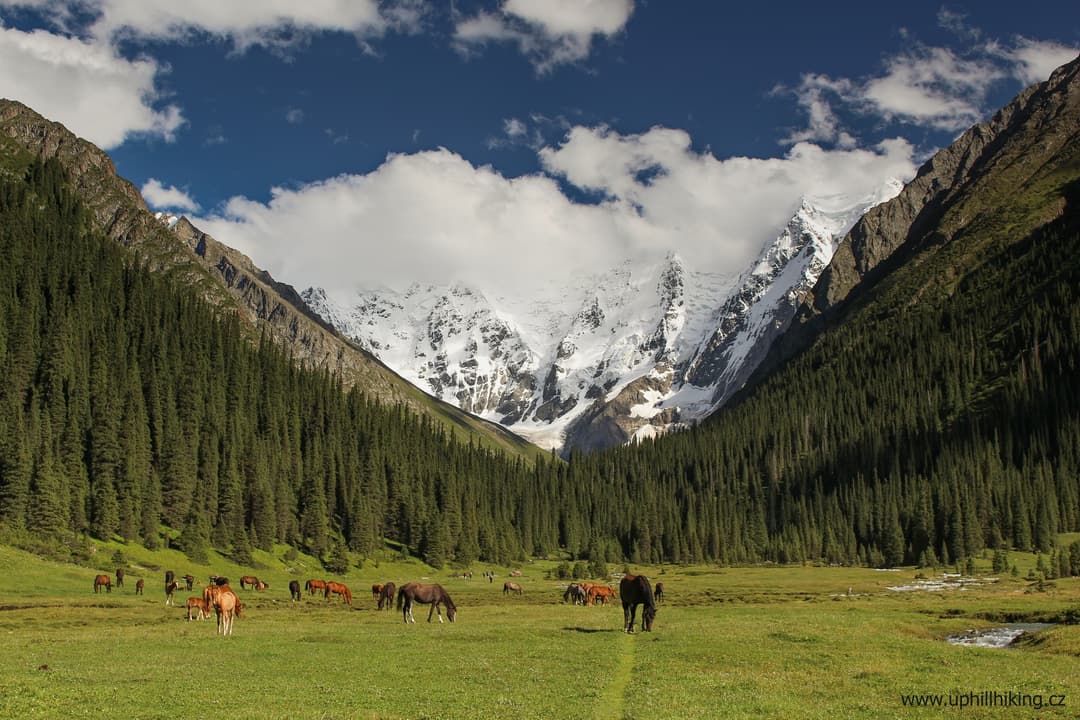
728 642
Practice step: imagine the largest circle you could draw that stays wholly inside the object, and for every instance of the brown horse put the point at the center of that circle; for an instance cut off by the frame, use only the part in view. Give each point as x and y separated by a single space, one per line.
599 593
313 586
658 592
433 595
119 577
512 587
102 581
635 590
139 584
336 588
294 589
248 580
197 604
386 596
189 580
170 590
375 590
228 607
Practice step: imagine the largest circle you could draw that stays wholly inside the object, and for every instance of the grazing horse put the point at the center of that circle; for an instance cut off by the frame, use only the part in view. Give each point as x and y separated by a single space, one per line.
376 590
248 580
601 593
170 590
635 590
199 604
658 592
294 589
341 589
102 581
119 577
574 594
139 584
512 587
314 586
261 585
386 596
228 607
426 594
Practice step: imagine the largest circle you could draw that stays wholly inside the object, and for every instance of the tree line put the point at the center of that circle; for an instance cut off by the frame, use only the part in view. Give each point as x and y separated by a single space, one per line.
913 433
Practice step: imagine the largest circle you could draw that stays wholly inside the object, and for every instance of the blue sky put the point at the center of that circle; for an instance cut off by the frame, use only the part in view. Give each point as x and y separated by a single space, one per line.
351 142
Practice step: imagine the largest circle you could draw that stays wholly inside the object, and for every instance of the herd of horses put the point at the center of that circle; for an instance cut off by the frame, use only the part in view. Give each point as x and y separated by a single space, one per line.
218 597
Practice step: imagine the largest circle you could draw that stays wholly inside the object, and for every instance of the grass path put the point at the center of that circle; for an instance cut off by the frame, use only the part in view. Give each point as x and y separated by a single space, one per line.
612 702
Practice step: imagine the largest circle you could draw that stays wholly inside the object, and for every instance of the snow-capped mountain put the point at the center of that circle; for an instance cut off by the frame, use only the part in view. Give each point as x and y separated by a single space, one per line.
606 357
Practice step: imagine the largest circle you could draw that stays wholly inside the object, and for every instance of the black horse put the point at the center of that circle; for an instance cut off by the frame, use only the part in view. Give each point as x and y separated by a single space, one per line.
294 589
426 594
635 590
386 596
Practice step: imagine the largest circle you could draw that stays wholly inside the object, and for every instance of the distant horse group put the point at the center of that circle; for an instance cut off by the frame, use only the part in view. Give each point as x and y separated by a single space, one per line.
433 595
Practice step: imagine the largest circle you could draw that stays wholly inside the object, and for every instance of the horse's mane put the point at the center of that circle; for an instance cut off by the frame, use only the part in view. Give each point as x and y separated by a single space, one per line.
446 599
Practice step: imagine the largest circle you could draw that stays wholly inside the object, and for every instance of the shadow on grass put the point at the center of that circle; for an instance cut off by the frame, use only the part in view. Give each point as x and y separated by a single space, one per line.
590 630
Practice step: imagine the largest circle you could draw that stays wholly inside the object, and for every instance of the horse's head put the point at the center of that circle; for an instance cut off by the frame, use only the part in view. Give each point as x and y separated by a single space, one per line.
647 617
451 612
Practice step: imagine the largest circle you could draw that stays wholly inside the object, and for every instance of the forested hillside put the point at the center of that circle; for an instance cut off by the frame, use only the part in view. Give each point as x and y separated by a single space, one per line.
128 403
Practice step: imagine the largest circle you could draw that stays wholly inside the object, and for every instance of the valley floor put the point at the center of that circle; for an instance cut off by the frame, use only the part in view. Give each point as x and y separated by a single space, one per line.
728 642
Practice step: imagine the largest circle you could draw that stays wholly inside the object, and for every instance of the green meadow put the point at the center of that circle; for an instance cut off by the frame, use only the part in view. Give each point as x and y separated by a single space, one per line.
788 642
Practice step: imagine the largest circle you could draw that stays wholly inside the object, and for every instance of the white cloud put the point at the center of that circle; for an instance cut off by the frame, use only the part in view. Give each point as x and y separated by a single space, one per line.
86 86
294 116
167 198
933 87
548 32
434 217
1034 60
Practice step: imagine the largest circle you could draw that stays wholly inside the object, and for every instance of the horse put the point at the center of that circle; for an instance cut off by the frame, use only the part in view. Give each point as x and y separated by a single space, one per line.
189 580
635 590
199 604
119 577
294 589
658 592
313 586
603 593
512 587
228 607
248 580
262 585
336 588
170 590
169 576
386 596
574 594
102 581
426 594
376 589
139 586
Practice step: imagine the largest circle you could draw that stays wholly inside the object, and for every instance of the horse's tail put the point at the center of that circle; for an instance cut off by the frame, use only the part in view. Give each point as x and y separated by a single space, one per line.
401 598
307 586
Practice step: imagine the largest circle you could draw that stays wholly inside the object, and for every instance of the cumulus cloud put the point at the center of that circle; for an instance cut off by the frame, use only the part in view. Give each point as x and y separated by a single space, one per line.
1032 61
548 32
167 198
435 217
85 85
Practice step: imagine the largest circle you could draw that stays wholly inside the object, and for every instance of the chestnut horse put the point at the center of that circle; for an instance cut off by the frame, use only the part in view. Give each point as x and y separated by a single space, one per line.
294 589
601 593
313 586
375 590
635 590
386 596
102 581
249 580
512 587
336 588
426 594
199 604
